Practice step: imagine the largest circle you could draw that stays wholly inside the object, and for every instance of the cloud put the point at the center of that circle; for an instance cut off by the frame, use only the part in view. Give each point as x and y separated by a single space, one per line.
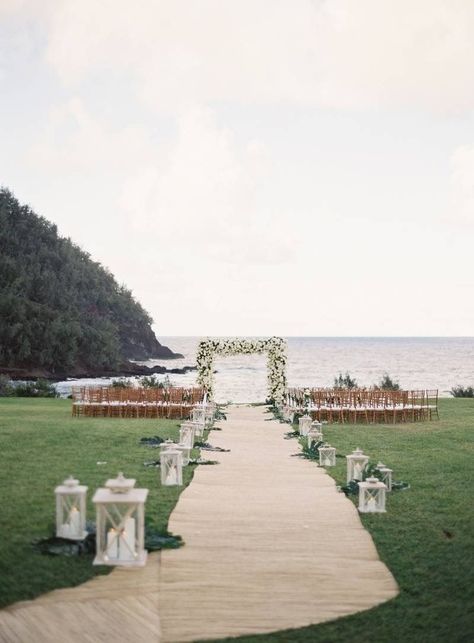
334 53
462 185
76 140
205 194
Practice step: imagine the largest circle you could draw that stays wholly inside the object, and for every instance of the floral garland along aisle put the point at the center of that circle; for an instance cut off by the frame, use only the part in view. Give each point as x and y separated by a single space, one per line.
275 347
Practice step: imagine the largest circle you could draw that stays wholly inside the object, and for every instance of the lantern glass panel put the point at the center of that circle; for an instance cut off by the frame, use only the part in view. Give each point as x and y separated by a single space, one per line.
356 463
387 477
197 426
120 527
314 436
185 451
186 434
327 456
304 424
71 510
372 496
171 464
199 415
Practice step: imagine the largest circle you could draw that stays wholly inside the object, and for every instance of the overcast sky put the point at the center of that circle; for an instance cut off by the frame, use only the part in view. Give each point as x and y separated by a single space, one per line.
254 167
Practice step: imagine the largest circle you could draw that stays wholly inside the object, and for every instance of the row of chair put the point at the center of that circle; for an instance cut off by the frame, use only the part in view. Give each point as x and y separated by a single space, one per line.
363 405
130 402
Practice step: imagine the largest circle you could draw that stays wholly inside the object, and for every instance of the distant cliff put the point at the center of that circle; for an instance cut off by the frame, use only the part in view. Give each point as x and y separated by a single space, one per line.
60 311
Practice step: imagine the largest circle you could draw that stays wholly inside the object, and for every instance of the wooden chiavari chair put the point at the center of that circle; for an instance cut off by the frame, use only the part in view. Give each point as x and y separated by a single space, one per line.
175 407
112 397
94 405
133 401
78 400
419 405
432 403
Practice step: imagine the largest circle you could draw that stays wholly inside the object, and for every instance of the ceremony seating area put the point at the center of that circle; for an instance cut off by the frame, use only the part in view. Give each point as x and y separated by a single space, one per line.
130 402
368 406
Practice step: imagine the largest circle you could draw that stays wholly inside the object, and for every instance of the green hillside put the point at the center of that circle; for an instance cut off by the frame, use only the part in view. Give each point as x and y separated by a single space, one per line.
59 309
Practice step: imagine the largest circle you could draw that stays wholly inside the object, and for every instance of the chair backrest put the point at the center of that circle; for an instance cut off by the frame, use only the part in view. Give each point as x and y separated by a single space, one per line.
176 395
432 397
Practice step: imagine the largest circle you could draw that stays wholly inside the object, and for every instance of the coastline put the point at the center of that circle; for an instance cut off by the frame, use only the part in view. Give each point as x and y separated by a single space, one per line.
126 369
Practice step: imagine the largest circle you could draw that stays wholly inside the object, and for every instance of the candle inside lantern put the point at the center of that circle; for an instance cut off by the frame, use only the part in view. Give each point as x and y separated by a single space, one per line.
112 543
357 471
75 522
127 540
371 504
65 530
327 462
172 475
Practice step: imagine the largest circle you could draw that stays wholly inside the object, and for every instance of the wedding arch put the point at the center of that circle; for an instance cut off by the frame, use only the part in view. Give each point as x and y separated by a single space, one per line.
275 347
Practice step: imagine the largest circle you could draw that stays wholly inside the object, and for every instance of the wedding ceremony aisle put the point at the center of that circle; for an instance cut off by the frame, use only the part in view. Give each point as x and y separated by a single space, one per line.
269 545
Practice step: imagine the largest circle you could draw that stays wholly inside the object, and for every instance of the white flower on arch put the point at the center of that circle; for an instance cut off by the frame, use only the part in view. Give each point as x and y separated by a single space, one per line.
275 347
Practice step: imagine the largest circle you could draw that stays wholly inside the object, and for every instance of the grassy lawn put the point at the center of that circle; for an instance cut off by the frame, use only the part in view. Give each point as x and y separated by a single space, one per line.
426 538
40 445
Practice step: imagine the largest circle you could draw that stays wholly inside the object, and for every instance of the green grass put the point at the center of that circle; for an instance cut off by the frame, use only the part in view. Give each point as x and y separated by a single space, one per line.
40 445
426 538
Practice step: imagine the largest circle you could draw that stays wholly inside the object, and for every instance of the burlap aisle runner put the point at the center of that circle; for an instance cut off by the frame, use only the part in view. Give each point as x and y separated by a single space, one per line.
270 543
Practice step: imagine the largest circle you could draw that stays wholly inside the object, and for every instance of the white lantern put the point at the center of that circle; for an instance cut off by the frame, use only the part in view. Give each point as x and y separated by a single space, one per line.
71 510
356 463
314 436
171 463
167 444
386 475
203 415
372 496
120 523
186 434
185 451
304 424
197 426
327 456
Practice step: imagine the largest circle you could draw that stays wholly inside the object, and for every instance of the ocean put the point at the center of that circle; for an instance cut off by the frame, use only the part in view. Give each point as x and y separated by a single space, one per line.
415 362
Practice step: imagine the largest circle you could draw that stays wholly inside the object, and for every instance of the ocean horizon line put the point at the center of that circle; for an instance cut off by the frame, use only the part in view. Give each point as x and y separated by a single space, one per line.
326 336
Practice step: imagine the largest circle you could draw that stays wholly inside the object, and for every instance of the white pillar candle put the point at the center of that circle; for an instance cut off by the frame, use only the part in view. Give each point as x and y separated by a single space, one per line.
172 475
371 504
112 544
65 530
75 522
127 540
327 462
357 471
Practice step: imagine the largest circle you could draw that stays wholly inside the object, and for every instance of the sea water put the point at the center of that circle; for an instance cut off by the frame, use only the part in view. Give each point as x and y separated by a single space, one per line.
415 362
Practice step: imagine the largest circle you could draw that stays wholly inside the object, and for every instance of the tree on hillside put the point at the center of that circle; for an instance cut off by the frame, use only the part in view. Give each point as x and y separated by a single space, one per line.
58 307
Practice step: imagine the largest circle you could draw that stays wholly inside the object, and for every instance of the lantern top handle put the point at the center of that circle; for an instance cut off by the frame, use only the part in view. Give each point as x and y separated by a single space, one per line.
71 482
373 482
120 484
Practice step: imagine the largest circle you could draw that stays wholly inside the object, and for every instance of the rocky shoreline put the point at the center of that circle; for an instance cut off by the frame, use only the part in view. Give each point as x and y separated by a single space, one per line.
126 369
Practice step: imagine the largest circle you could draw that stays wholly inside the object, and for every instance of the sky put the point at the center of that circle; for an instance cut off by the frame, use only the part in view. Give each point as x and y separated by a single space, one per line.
254 167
